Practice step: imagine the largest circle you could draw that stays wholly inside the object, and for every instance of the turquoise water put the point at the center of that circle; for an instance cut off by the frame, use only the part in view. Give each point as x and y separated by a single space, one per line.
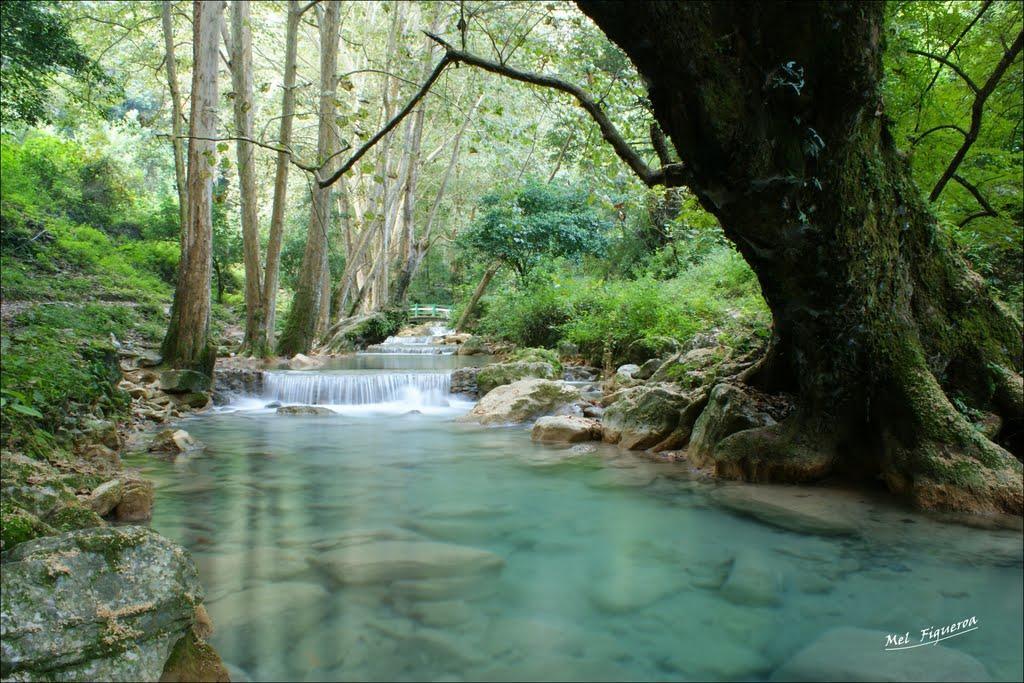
533 562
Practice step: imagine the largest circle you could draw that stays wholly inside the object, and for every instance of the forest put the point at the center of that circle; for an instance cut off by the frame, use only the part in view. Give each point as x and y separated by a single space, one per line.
511 339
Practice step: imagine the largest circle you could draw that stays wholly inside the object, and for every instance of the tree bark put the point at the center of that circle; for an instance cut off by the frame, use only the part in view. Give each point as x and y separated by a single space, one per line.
240 50
176 117
304 317
264 341
187 344
776 110
479 292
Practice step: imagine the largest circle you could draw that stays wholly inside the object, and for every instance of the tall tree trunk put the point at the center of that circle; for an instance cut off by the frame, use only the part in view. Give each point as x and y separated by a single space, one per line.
479 292
240 50
304 317
776 110
187 344
264 342
421 247
176 117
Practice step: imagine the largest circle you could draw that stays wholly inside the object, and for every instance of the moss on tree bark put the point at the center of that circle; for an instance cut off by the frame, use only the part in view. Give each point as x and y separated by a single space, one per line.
884 333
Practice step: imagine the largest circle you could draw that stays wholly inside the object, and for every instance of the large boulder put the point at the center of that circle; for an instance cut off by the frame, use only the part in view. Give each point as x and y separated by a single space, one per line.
497 374
730 409
857 654
96 604
643 416
566 429
526 400
184 381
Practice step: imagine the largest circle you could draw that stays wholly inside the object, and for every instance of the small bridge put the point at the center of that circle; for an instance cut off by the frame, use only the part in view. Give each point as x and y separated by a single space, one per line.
425 312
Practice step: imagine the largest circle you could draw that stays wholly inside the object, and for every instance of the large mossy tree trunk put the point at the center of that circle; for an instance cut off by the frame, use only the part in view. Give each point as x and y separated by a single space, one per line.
889 341
187 343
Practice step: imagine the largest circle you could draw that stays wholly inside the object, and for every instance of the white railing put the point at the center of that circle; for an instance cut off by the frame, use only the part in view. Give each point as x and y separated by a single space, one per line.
430 311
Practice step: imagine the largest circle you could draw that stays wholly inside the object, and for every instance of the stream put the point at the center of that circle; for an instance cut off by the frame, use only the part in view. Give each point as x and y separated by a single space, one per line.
390 541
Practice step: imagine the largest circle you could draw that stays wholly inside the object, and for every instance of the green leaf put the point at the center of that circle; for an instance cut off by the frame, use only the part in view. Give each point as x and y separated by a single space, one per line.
25 410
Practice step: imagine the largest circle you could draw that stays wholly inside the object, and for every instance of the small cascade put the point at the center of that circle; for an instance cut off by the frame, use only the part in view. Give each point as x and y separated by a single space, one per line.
432 343
315 388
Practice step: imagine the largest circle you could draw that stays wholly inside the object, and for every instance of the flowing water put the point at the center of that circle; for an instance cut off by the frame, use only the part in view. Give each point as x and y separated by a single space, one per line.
390 541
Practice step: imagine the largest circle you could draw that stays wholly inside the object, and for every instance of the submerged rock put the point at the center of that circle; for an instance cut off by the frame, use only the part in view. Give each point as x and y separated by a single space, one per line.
566 429
304 410
95 604
802 509
498 374
752 580
857 654
387 561
525 400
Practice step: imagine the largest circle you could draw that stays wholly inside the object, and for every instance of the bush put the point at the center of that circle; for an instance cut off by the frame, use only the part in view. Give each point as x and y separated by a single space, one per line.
553 305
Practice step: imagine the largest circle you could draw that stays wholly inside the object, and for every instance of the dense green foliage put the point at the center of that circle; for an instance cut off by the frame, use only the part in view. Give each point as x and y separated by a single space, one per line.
559 302
520 225
37 48
930 105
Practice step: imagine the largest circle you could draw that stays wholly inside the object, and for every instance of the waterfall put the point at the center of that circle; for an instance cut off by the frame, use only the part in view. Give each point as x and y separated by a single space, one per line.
309 388
428 344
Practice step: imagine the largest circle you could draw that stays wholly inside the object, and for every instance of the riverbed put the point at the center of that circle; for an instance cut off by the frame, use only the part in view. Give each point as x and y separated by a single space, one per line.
392 541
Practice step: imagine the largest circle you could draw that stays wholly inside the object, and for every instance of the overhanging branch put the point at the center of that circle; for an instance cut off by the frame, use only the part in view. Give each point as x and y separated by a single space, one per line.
670 174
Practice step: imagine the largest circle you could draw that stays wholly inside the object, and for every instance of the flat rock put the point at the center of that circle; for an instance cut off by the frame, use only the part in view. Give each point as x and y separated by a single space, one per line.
304 410
857 654
386 561
565 429
805 510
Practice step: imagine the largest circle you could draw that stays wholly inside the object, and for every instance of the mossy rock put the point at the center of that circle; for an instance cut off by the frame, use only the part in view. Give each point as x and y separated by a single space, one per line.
643 350
499 374
643 416
95 604
537 355
184 381
474 346
193 659
193 399
18 525
72 518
